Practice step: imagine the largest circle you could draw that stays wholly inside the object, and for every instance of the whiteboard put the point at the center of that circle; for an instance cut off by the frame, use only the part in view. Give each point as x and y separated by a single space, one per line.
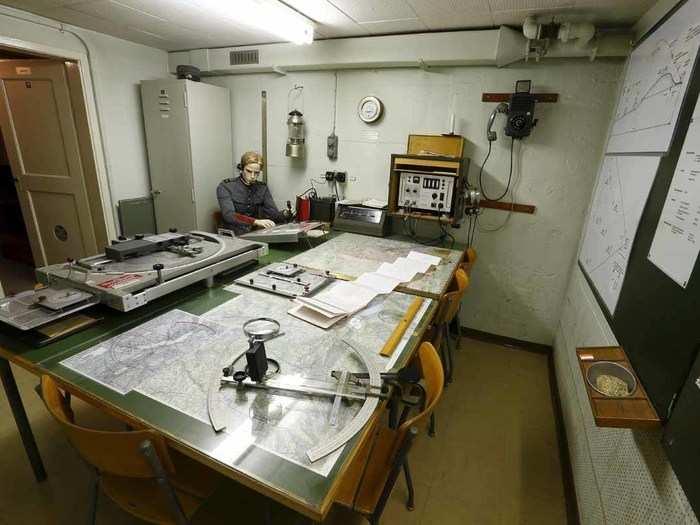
623 186
676 243
656 79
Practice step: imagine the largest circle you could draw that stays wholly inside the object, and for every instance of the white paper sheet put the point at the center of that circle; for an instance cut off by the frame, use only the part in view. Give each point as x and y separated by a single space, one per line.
313 316
377 282
619 198
346 296
398 272
432 259
676 243
419 265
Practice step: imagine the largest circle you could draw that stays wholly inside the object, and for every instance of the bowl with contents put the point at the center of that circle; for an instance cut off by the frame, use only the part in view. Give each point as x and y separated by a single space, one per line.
611 379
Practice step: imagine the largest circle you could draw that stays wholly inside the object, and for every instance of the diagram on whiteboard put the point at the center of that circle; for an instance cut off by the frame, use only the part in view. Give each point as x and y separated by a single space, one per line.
620 195
655 83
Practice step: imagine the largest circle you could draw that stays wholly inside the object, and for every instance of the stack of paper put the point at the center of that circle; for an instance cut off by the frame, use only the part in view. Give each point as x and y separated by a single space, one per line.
345 298
332 305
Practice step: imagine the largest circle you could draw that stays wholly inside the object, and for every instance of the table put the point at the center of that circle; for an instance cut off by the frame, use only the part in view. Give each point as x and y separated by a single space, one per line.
293 485
349 255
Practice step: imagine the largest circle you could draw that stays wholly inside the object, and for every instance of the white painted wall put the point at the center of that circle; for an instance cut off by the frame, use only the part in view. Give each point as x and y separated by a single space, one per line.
519 281
621 476
118 67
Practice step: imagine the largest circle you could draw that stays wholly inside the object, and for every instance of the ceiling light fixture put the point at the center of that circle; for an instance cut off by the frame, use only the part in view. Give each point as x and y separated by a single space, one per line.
271 16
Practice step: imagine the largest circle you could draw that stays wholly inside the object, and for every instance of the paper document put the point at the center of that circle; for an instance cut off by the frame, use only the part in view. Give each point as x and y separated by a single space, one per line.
375 203
403 274
333 304
347 295
419 265
310 315
677 239
432 259
377 282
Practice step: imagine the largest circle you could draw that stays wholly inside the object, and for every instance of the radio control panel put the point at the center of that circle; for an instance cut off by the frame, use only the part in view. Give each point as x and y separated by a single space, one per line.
427 192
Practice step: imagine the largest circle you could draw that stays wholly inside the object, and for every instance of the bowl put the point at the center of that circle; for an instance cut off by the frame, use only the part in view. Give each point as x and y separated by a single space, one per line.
612 369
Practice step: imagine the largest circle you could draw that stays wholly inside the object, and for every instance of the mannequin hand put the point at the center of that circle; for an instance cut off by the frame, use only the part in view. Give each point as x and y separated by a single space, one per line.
264 223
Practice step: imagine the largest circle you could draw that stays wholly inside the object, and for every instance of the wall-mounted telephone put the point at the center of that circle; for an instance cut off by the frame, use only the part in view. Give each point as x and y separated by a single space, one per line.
519 113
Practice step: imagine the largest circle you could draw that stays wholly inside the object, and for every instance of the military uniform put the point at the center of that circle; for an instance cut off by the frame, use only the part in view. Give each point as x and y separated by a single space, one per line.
241 204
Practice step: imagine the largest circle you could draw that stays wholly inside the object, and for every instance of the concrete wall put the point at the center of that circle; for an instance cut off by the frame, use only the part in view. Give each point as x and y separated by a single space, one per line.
118 67
621 476
520 279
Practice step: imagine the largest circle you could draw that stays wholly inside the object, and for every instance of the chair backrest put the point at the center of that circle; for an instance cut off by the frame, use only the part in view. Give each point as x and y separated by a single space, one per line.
433 384
218 220
116 453
469 260
450 301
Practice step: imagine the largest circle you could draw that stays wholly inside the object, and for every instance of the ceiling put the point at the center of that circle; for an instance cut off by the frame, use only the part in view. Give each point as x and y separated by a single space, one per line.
191 24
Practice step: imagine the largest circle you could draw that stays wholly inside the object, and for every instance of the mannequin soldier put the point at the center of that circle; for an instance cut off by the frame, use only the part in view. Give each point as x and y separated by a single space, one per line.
246 203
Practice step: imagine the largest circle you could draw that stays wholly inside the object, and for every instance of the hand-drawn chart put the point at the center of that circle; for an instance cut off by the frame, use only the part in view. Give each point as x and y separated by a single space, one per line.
620 195
655 83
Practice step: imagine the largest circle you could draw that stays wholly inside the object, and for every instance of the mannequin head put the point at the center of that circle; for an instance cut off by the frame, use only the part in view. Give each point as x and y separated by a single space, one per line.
251 166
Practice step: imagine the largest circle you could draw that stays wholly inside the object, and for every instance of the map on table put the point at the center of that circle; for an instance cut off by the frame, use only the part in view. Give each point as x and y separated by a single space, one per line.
351 255
175 358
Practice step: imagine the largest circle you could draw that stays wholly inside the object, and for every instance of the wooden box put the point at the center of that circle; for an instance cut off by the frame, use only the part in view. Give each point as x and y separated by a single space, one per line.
634 411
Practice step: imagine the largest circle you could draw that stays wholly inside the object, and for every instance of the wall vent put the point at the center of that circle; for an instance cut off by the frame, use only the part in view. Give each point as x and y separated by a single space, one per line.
240 58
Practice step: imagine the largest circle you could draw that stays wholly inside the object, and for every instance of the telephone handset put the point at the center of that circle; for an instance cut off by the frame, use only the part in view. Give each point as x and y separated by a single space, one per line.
501 108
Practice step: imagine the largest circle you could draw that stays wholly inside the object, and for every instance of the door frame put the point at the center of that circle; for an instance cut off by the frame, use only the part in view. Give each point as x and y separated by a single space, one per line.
99 154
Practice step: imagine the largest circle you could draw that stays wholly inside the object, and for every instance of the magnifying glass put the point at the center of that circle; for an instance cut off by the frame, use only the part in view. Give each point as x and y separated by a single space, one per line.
262 328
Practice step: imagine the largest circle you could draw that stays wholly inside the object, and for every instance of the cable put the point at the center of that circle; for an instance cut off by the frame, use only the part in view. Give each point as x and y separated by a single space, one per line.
512 199
510 174
335 102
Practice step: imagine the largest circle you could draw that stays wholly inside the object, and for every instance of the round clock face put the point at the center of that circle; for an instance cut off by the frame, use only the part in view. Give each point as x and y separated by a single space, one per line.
370 109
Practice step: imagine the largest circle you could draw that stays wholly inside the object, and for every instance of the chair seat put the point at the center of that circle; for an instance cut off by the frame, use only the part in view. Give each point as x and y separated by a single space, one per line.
193 483
144 499
370 467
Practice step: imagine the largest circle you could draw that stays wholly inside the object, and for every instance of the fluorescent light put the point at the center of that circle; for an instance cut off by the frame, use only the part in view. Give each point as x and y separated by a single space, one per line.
270 16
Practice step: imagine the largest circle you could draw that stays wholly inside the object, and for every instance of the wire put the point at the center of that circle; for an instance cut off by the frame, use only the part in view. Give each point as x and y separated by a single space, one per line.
335 101
512 199
510 174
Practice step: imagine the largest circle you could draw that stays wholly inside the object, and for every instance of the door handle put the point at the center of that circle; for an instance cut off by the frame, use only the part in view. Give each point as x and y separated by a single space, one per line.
155 192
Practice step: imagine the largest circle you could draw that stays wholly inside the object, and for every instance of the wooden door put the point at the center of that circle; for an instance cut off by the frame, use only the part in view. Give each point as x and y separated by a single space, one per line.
41 137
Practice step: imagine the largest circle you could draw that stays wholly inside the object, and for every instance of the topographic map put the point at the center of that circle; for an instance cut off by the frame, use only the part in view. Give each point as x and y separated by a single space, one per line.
175 358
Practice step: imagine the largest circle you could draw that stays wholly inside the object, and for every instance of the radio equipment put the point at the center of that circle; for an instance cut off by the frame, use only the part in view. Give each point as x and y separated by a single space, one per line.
418 191
429 187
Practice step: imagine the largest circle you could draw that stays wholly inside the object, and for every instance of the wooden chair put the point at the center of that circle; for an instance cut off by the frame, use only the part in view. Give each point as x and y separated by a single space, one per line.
469 260
467 265
135 469
371 476
447 311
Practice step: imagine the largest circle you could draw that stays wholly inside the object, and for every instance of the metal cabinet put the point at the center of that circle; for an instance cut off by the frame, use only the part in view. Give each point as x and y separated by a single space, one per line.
188 135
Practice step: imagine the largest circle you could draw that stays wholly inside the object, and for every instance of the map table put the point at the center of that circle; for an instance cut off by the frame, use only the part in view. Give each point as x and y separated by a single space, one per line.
349 255
152 367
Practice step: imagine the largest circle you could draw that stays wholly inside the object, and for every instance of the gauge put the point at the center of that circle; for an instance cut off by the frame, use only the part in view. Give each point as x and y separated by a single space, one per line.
370 109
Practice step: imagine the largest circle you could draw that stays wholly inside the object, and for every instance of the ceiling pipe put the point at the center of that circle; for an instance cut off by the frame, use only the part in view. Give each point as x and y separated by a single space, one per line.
582 33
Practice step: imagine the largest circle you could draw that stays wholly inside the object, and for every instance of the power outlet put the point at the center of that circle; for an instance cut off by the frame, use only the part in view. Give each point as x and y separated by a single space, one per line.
337 176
